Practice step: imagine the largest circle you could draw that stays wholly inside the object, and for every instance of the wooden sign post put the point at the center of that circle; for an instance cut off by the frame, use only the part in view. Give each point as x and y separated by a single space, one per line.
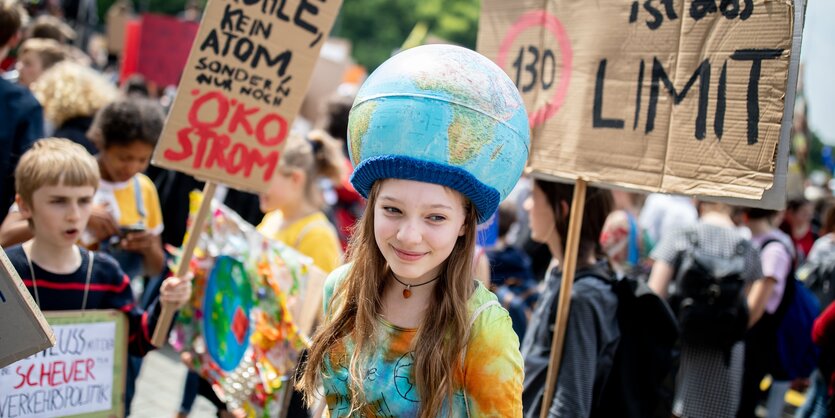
572 245
243 84
167 314
690 97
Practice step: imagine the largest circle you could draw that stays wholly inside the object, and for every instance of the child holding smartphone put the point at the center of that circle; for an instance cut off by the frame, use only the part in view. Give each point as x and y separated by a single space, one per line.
127 220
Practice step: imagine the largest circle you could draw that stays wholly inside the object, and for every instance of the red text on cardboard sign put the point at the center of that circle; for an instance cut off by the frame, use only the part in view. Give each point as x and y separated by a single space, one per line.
216 133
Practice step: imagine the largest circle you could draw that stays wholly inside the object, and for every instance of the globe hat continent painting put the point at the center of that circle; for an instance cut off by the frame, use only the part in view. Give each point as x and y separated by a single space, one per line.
440 114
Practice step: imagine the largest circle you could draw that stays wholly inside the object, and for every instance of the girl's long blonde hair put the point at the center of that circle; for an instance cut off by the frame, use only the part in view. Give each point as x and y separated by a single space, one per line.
438 343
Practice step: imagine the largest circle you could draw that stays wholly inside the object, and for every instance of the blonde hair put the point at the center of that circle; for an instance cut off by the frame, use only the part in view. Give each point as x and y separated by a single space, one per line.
317 156
55 161
70 90
437 345
49 51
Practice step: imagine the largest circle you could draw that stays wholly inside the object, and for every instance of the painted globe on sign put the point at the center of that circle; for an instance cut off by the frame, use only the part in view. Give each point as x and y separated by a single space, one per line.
227 306
451 110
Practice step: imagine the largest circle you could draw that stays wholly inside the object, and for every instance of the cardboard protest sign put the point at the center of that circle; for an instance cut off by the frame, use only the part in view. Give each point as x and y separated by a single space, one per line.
164 45
334 60
678 96
82 375
243 84
23 329
116 21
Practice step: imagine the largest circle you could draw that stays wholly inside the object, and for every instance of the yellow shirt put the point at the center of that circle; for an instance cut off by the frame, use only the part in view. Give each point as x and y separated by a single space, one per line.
313 236
122 202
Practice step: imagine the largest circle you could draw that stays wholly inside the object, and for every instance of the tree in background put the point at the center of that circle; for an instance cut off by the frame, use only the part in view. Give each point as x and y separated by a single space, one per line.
376 28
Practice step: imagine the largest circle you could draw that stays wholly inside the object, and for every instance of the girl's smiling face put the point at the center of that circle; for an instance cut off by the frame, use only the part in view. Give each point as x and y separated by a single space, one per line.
416 226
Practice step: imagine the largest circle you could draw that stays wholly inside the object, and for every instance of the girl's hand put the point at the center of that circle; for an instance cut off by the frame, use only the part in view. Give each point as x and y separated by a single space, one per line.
175 291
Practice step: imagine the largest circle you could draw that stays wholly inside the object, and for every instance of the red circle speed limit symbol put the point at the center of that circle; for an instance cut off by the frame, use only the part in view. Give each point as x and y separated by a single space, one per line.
534 67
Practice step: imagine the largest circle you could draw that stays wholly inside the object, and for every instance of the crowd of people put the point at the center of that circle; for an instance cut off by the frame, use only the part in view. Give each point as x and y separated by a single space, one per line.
81 209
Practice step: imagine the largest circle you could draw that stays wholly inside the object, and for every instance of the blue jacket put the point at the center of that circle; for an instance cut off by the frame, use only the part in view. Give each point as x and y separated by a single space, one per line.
21 124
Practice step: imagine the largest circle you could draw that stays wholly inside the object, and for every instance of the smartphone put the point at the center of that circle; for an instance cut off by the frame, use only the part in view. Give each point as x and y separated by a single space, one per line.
127 229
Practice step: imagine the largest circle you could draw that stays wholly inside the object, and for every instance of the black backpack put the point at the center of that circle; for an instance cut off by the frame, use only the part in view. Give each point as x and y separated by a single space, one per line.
819 277
709 298
635 387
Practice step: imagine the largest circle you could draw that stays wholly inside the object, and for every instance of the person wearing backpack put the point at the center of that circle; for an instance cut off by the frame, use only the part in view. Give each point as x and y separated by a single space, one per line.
767 303
818 274
592 330
711 264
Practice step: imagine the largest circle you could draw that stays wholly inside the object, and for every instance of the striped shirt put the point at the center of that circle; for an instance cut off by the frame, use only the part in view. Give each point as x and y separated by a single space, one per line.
109 289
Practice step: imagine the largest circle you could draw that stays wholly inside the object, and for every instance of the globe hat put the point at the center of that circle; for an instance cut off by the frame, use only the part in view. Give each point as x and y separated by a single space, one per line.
440 114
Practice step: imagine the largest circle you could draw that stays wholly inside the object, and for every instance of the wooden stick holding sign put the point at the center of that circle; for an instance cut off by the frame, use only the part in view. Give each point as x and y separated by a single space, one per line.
572 245
168 311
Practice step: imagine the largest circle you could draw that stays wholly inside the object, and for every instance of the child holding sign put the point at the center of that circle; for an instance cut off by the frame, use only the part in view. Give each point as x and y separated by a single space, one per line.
55 183
439 136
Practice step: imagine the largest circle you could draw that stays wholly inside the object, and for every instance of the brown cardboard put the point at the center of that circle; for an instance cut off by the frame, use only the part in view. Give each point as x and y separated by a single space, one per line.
116 20
622 146
334 60
23 328
229 125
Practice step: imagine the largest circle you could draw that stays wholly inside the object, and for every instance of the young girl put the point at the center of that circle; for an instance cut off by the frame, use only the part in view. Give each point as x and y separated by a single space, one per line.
293 204
438 135
592 332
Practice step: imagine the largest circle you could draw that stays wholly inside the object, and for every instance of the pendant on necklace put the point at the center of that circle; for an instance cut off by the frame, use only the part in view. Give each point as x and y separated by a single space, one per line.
407 293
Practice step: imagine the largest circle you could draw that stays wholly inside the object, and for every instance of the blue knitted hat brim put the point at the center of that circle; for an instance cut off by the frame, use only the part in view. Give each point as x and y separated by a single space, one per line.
483 197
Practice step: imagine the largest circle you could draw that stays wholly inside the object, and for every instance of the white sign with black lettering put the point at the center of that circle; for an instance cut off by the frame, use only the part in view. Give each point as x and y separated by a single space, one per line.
75 376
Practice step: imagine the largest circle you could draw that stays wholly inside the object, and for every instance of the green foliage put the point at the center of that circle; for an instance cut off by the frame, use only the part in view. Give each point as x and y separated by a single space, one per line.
455 21
376 28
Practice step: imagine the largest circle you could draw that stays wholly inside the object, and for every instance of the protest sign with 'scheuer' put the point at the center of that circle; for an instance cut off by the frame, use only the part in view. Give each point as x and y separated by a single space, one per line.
678 96
83 374
244 82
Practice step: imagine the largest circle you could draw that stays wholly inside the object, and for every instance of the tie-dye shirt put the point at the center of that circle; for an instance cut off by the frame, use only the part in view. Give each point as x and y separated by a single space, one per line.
492 373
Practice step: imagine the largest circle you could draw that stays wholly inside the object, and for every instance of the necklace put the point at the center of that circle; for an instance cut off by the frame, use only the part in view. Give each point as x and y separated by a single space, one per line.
90 255
407 292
